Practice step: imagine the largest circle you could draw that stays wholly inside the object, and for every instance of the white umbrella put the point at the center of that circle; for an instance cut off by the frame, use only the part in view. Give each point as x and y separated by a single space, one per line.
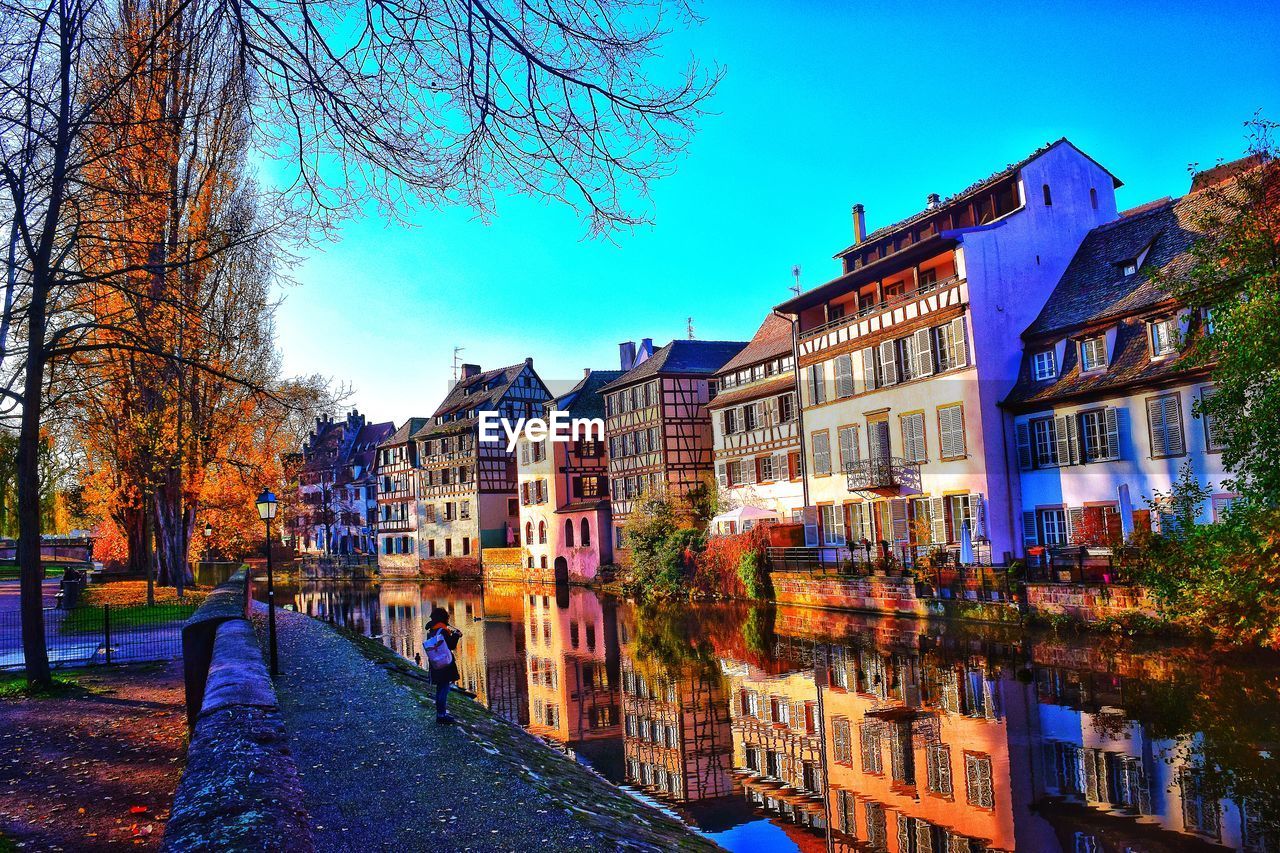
966 545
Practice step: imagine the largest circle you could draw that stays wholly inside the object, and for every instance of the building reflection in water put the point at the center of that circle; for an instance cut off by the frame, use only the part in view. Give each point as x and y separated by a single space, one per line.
825 731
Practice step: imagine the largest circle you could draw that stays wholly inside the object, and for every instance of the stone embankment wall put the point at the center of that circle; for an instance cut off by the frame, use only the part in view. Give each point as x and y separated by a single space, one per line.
240 789
450 568
893 596
1089 603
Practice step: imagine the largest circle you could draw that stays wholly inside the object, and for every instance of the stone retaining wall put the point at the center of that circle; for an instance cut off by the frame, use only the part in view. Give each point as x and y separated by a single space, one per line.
450 568
893 596
240 789
1089 603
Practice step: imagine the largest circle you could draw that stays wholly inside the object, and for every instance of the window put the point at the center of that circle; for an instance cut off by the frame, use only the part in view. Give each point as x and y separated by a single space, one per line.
951 439
872 760
821 454
1044 442
841 744
977 778
913 444
786 408
1164 418
1128 268
1214 441
817 385
1093 353
764 469
542 533
585 527
730 421
1044 365
568 532
848 813
1164 337
1093 431
849 450
513 507
952 345
1093 197
1053 526
844 375
937 760
1048 196
832 525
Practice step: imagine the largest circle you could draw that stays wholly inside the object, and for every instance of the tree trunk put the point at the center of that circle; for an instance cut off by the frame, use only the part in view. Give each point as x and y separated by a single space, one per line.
29 565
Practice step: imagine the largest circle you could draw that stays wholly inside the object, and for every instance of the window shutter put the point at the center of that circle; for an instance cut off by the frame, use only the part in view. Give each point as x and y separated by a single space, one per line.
810 517
781 471
1173 426
979 517
869 368
749 471
909 367
844 376
1023 432
898 516
1075 523
1029 537
1111 417
1155 420
722 475
938 520
959 343
1073 438
1062 439
924 353
888 363
848 447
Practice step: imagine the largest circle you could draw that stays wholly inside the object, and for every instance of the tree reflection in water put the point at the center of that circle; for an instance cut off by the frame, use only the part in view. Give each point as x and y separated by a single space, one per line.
794 728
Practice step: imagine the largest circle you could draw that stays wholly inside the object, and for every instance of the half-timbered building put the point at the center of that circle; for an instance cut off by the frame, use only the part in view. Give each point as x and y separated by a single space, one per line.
565 523
398 501
467 486
755 427
905 356
1105 403
658 426
336 486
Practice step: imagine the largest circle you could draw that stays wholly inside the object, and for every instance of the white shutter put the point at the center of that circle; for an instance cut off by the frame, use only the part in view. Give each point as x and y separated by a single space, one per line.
951 431
1073 438
844 376
959 343
848 446
938 520
924 353
722 476
1111 416
898 517
1173 425
888 363
749 471
1155 420
1062 440
781 470
1025 459
1029 537
869 368
1075 523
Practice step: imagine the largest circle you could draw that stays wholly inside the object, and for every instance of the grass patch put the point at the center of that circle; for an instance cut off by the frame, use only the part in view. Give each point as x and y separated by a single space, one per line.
12 573
130 593
88 618
14 685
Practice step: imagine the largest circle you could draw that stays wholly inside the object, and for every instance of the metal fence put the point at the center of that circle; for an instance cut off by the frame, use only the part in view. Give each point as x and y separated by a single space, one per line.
102 634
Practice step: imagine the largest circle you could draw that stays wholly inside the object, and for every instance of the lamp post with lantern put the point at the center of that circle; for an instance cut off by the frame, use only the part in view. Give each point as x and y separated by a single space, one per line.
208 542
266 504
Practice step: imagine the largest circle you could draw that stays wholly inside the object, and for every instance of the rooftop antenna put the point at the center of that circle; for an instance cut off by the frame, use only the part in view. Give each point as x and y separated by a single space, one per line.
689 328
457 361
795 273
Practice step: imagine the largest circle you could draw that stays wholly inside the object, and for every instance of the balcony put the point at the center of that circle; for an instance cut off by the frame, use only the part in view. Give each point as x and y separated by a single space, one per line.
884 475
882 306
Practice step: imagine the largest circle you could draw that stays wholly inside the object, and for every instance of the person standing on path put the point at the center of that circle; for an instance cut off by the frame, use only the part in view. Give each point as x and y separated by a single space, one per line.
441 640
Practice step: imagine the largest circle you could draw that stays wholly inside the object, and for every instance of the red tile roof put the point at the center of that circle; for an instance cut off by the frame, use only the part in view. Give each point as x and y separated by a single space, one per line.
771 340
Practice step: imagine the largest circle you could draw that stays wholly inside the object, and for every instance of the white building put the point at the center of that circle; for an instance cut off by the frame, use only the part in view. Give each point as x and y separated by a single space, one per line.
905 357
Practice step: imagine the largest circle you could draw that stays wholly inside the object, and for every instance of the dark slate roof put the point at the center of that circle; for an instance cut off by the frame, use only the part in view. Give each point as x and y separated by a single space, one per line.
1094 287
680 357
1131 367
771 340
406 431
584 400
482 391
972 189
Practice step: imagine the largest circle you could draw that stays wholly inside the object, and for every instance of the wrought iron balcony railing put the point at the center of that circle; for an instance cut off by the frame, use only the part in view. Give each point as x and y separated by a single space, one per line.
883 472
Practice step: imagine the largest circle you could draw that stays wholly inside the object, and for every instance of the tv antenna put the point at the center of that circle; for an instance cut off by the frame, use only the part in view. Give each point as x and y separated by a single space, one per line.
689 328
457 361
795 273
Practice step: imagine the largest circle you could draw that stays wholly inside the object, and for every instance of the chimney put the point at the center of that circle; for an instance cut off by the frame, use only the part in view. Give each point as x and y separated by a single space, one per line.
934 201
859 223
627 355
469 370
646 350
586 373
529 361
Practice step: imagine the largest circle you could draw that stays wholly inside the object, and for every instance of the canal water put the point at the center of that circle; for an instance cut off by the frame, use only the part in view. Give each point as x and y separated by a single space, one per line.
796 729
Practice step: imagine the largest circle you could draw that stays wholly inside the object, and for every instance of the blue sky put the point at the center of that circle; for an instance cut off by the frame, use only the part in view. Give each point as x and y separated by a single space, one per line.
822 105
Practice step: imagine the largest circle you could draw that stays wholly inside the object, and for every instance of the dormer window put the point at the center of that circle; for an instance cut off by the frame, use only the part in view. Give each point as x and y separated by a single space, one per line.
1044 365
1128 268
1093 354
1164 337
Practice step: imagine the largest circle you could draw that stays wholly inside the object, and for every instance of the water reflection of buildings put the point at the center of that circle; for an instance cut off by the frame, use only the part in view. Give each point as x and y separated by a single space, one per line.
676 731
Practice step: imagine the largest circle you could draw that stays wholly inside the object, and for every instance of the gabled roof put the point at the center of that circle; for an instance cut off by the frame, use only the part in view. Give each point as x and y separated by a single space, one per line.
771 340
1094 287
482 391
971 190
778 384
405 432
584 400
680 357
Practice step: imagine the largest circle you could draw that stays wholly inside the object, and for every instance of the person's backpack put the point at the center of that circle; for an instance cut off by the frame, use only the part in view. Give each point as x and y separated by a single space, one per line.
437 648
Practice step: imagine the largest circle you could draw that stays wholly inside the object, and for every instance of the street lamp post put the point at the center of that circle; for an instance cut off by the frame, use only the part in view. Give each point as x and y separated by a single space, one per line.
266 511
208 542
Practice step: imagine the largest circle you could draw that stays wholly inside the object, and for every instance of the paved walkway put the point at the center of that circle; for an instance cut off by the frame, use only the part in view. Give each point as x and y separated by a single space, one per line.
379 774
